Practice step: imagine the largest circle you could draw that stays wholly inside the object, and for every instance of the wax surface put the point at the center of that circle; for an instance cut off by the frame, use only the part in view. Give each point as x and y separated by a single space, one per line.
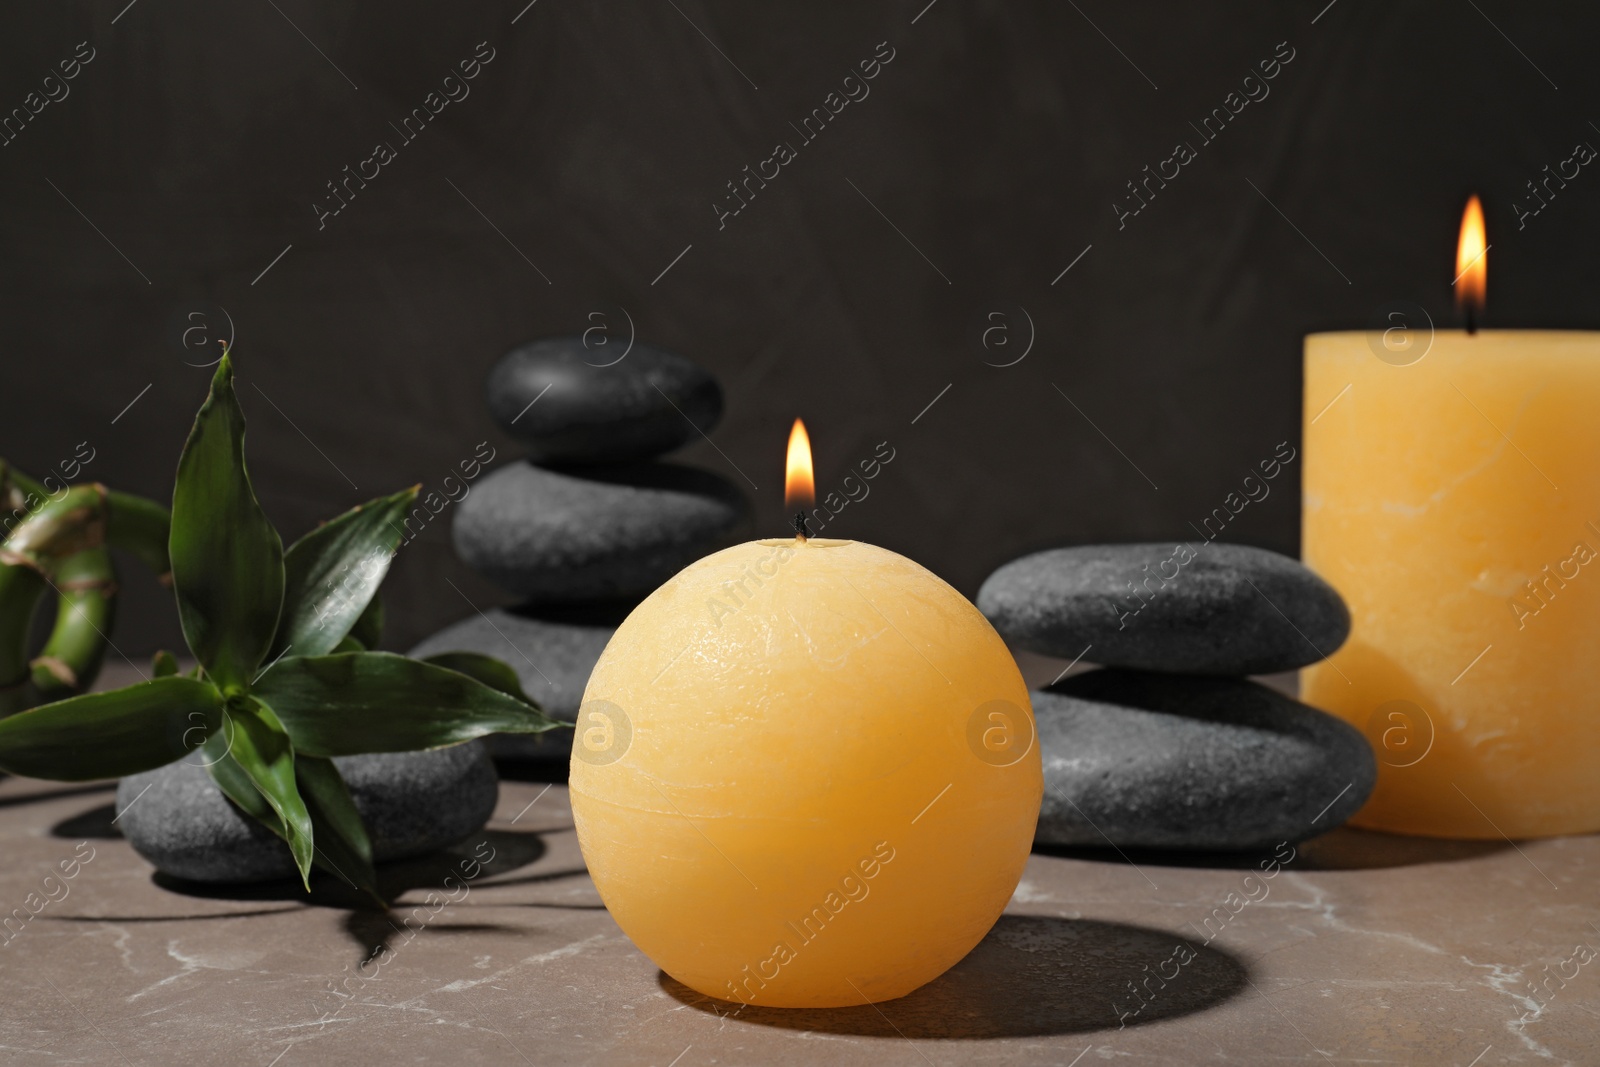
828 779
1436 496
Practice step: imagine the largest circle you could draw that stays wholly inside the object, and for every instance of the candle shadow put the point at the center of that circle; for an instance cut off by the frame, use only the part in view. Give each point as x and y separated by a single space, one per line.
519 769
1032 976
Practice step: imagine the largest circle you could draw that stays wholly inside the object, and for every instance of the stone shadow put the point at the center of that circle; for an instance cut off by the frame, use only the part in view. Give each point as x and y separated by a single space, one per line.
513 850
1032 976
94 823
1351 848
1346 848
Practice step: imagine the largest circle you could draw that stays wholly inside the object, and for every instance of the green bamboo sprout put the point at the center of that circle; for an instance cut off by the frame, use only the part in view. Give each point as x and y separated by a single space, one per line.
60 545
285 682
20 590
92 516
71 658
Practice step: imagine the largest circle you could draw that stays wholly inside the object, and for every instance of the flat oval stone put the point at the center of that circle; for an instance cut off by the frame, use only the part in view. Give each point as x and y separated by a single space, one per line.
600 533
553 650
572 404
412 803
1137 759
1205 609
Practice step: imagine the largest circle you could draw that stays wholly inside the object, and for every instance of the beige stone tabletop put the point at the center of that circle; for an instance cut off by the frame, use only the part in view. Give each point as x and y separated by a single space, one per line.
1364 948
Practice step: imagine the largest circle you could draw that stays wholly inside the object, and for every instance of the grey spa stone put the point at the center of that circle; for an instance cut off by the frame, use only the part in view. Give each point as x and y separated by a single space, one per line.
575 403
1136 759
1202 608
599 533
412 803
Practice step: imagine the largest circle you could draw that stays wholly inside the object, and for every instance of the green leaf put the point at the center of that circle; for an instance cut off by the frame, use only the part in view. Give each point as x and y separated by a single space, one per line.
331 574
491 672
235 783
368 629
339 839
343 846
379 702
227 560
108 735
260 745
164 664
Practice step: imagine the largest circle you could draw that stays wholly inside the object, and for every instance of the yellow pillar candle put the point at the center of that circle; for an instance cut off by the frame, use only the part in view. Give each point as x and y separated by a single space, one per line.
804 775
1453 498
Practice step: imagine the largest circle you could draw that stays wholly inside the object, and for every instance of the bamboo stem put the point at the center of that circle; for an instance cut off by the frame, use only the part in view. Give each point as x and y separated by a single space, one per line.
59 539
85 608
20 592
87 517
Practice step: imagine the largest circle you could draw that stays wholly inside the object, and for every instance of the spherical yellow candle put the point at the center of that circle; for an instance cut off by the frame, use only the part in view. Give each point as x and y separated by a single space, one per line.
805 775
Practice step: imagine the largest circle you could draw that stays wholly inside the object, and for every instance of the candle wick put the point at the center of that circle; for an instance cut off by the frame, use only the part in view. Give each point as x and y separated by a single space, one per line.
1472 325
800 531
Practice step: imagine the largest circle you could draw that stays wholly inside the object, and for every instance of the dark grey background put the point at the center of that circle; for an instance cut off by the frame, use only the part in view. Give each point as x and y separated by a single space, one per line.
597 141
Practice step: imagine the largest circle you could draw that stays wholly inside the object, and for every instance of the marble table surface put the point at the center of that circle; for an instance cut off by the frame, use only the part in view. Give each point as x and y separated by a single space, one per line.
1364 948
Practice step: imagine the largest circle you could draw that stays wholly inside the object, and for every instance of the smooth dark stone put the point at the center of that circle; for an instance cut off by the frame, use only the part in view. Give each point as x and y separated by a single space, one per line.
1137 759
412 803
572 404
602 533
1230 609
553 650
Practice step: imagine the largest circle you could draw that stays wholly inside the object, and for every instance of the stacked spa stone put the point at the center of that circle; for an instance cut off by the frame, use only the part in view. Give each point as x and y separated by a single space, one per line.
590 522
1168 745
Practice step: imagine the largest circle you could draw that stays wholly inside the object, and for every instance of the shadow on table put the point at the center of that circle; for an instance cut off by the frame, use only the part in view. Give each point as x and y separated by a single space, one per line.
1351 849
94 823
1344 849
512 851
374 931
55 794
1032 976
513 769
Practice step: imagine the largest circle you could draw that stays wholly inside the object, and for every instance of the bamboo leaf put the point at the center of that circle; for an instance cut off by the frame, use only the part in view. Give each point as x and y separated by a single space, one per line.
236 784
491 672
108 735
340 843
368 629
260 745
164 664
379 702
227 560
331 574
343 847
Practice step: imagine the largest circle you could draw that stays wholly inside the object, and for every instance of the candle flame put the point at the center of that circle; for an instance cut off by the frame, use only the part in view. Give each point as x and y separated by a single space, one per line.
799 485
1472 262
